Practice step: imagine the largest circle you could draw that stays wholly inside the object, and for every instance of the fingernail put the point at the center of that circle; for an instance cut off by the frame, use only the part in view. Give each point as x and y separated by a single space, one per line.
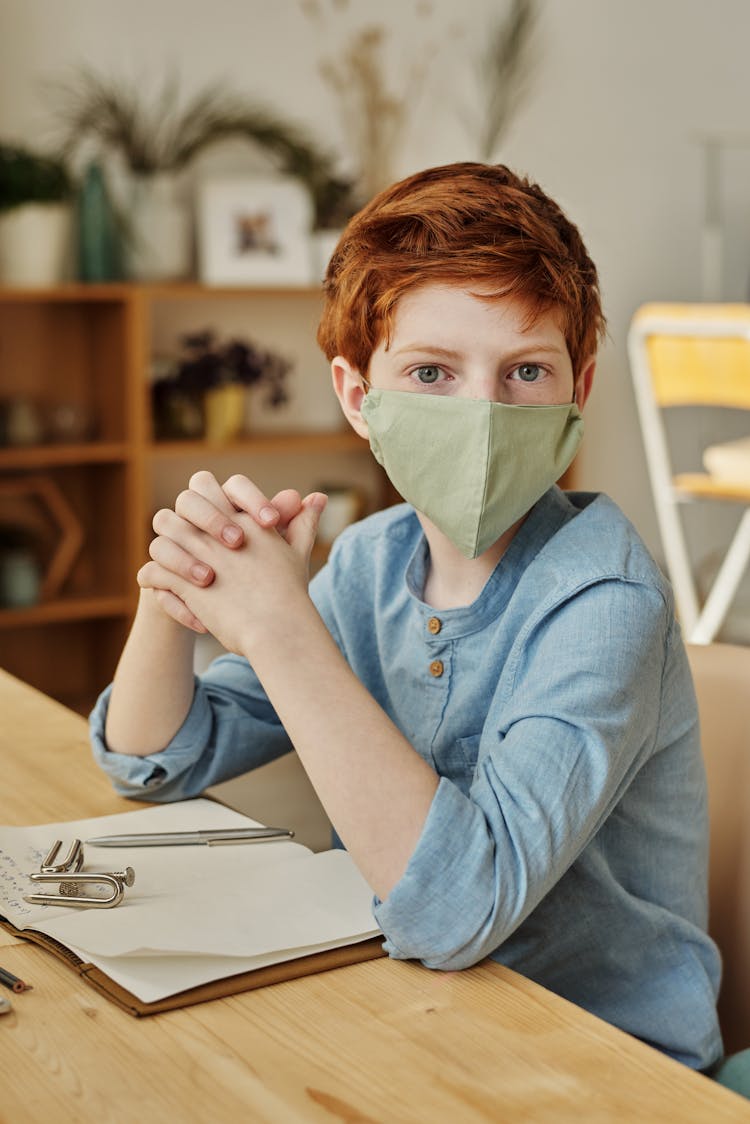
200 572
317 501
267 514
232 535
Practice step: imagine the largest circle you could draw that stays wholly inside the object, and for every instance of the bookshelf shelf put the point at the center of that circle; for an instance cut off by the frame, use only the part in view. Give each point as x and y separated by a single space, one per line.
90 347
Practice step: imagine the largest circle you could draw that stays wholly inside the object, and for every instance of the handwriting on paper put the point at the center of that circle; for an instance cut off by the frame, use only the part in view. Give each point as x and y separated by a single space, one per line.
14 884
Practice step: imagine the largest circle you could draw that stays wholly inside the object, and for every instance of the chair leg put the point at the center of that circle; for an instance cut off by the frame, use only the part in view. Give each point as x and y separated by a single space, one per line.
677 557
725 586
656 448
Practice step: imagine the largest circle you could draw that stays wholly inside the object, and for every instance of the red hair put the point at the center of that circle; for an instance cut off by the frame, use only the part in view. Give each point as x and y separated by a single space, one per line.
468 224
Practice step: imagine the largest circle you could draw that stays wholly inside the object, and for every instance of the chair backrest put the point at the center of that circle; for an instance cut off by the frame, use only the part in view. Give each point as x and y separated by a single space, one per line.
686 355
693 354
722 681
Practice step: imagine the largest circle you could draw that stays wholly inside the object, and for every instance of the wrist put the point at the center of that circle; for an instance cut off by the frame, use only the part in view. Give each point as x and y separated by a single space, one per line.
291 630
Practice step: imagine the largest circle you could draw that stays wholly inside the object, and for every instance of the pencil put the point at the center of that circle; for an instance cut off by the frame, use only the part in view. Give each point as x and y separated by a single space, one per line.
13 982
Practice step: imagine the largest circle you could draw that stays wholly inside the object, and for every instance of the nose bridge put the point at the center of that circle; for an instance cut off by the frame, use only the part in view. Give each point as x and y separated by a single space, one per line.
485 381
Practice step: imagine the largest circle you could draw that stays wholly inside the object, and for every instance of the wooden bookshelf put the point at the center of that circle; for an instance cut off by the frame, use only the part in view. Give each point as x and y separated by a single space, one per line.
89 347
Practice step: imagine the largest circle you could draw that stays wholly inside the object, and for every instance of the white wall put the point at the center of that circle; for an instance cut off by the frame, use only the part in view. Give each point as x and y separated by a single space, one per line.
619 88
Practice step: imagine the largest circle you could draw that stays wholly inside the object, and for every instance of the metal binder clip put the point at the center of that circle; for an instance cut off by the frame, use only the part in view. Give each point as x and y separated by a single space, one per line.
71 886
72 861
72 883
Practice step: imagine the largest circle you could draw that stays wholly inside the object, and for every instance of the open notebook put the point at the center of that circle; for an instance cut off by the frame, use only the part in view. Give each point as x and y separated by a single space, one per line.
200 922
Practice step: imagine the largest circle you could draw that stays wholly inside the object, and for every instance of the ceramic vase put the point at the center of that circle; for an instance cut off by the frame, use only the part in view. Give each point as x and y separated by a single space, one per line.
224 411
159 242
99 241
35 244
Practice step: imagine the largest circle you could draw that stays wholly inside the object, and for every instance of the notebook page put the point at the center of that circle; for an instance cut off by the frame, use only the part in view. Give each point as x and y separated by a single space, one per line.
197 913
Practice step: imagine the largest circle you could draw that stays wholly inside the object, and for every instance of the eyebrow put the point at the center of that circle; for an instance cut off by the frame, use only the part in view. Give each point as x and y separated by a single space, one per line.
449 353
429 348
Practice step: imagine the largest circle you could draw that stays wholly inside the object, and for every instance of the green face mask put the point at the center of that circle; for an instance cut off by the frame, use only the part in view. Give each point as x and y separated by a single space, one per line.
472 467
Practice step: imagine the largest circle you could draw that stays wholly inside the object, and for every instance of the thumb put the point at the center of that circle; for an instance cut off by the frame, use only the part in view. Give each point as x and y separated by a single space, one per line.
301 532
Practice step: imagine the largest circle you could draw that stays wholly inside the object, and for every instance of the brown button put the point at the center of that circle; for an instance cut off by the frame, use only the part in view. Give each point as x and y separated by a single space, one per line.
434 625
436 668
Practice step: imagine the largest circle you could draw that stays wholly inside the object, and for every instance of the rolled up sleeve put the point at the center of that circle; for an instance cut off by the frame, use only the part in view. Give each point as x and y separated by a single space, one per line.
559 748
230 728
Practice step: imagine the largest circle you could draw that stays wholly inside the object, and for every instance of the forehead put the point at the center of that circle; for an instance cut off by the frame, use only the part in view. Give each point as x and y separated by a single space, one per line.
438 313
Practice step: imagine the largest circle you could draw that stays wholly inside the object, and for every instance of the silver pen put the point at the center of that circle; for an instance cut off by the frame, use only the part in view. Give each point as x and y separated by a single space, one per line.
184 838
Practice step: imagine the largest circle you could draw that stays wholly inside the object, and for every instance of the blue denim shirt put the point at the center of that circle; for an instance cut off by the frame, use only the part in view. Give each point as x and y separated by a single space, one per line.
568 834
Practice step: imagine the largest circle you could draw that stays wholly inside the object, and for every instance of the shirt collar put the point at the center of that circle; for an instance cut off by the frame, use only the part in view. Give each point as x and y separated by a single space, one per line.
546 517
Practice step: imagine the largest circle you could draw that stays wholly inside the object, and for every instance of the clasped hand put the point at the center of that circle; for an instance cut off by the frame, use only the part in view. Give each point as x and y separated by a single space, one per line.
229 561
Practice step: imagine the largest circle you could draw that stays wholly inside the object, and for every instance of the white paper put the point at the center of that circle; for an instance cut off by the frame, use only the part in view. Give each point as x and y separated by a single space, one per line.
195 913
155 977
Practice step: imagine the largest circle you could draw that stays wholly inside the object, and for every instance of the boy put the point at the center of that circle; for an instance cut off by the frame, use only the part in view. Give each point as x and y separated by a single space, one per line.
486 684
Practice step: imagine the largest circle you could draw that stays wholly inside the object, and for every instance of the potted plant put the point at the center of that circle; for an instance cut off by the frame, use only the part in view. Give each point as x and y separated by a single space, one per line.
35 216
204 392
158 139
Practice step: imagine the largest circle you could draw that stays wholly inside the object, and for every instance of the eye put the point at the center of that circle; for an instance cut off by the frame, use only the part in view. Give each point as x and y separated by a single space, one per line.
528 372
428 375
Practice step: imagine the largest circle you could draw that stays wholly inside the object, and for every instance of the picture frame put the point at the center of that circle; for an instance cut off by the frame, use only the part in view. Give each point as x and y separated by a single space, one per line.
254 231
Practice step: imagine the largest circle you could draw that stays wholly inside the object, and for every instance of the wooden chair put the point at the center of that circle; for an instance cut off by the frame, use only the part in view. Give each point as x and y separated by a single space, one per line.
692 355
722 681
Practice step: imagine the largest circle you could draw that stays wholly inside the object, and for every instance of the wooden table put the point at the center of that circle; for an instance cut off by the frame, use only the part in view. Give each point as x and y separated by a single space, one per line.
380 1041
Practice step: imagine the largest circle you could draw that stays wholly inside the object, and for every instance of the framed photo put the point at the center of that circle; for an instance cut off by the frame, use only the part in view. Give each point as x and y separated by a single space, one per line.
254 231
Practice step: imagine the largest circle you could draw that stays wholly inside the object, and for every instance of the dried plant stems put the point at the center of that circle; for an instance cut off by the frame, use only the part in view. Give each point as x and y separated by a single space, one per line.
372 117
503 72
374 113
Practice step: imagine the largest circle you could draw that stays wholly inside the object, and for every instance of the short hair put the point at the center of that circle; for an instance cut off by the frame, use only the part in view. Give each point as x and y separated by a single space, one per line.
465 223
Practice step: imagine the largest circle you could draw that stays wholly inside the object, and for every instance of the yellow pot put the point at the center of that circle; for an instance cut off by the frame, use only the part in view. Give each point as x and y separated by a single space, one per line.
224 412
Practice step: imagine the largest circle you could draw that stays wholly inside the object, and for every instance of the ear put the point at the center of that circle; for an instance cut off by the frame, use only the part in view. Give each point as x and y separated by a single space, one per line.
584 382
347 382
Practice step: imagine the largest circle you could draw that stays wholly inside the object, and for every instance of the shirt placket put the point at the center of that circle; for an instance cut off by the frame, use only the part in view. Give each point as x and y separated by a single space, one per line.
436 672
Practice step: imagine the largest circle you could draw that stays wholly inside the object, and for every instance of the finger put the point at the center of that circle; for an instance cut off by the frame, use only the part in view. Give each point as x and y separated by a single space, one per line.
288 503
205 484
302 530
187 532
172 557
248 497
183 532
152 576
178 611
203 514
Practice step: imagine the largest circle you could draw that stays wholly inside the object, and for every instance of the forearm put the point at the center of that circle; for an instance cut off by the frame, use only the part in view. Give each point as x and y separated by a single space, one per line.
375 787
153 684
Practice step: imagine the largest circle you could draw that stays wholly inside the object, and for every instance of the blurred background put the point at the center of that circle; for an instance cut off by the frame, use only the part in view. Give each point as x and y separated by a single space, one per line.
630 113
